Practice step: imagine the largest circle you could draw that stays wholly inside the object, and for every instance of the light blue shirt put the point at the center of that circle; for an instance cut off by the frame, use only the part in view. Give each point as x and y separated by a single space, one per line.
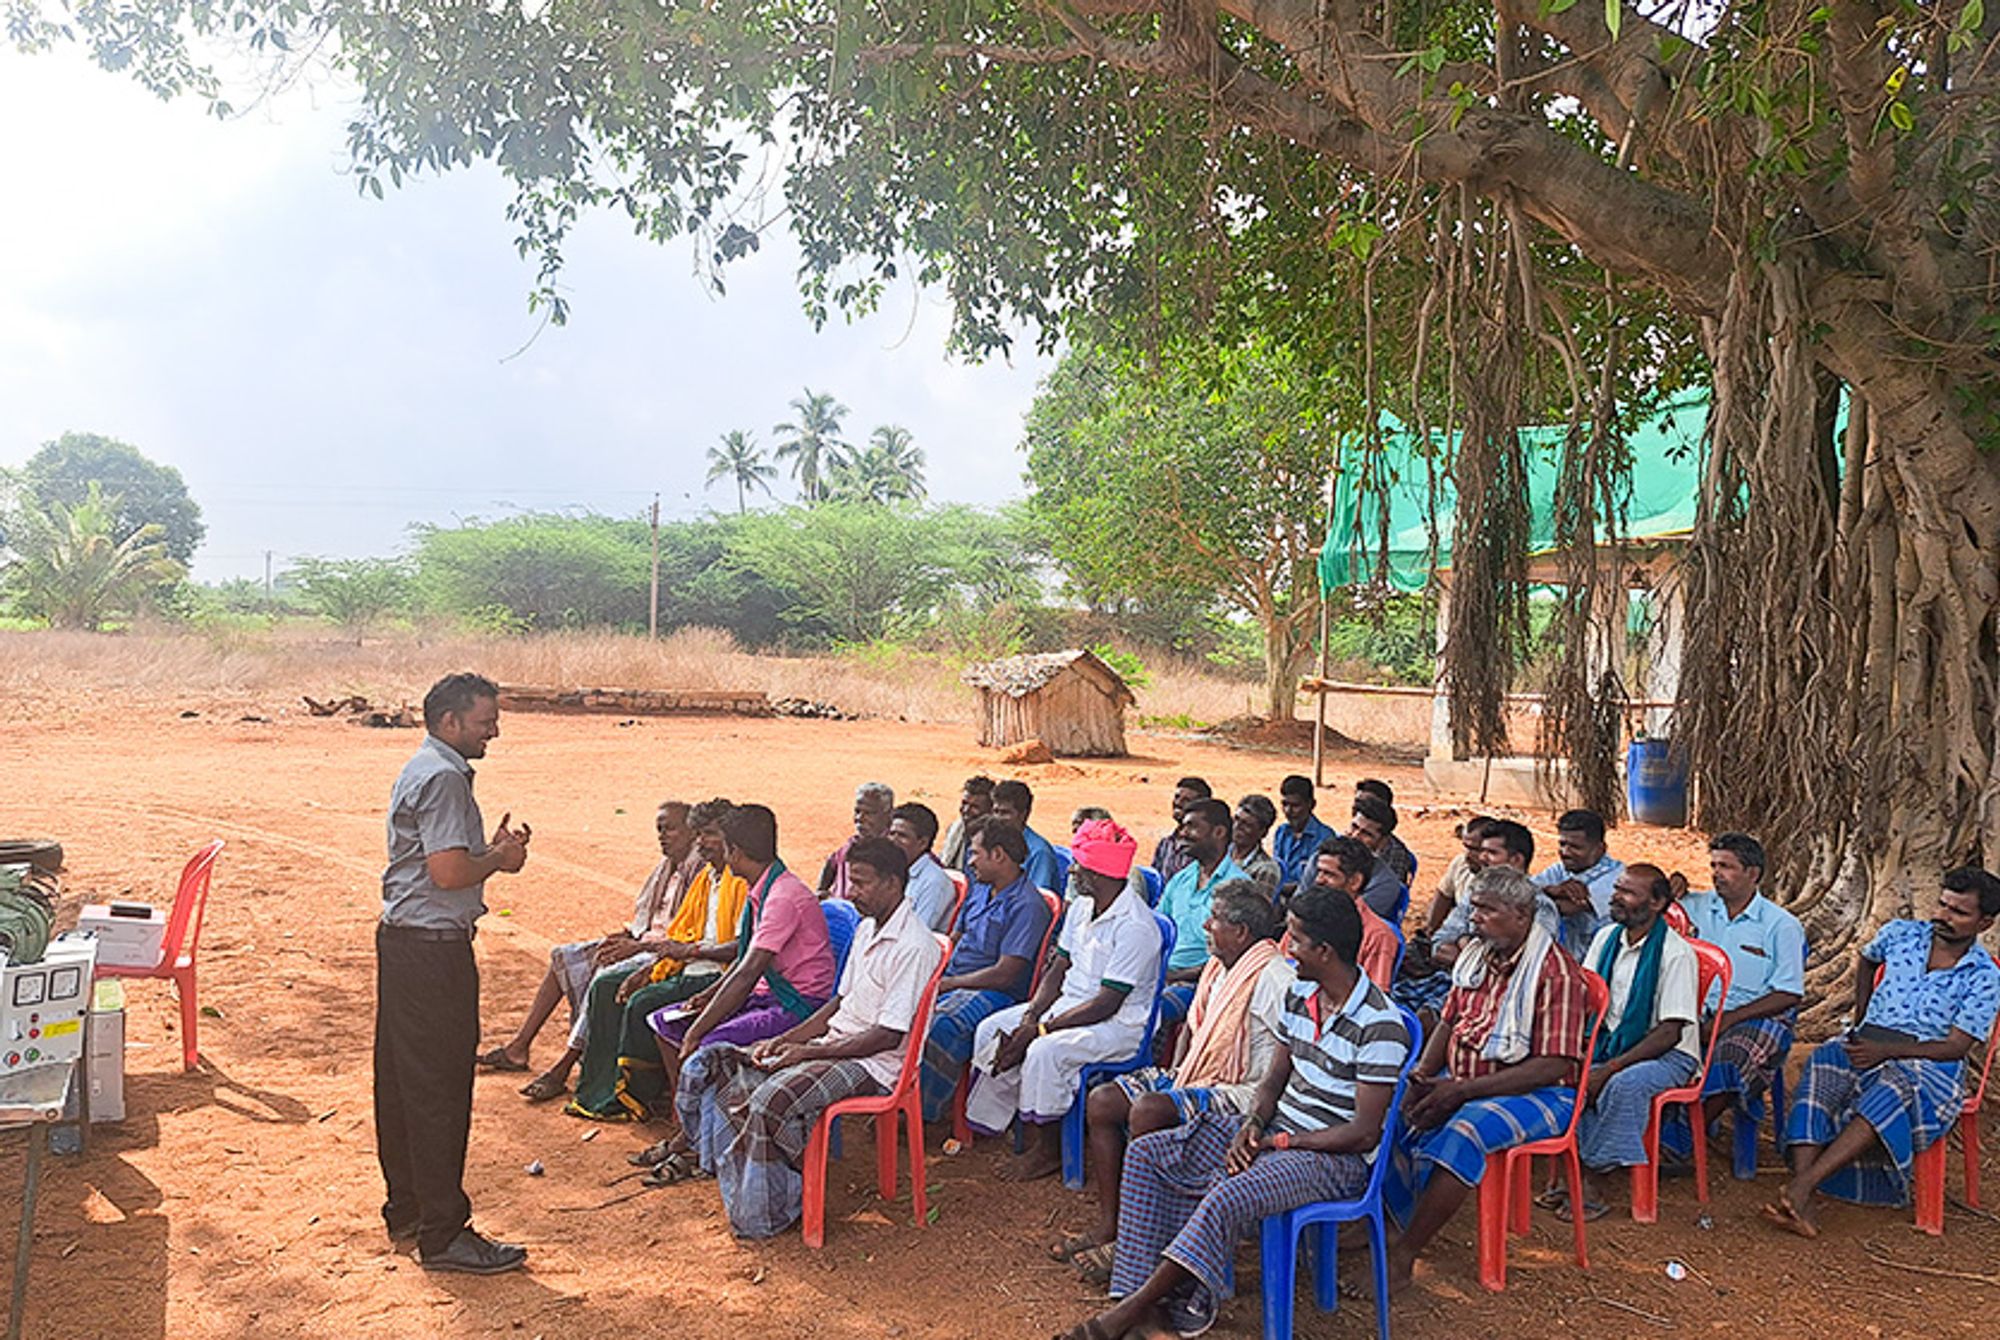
1042 867
931 894
1925 1003
1579 928
1186 901
1766 946
431 809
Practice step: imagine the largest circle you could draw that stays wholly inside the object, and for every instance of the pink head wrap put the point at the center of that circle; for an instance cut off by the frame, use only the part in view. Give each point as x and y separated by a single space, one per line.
1103 848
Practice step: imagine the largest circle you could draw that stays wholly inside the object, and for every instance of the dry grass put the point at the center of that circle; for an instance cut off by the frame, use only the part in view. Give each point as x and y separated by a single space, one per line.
266 669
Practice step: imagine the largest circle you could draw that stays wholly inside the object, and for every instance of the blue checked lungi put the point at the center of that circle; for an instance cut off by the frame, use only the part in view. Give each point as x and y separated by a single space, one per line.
1612 1133
1482 1127
1416 994
948 1047
1912 1104
1188 1103
1175 1002
1174 1201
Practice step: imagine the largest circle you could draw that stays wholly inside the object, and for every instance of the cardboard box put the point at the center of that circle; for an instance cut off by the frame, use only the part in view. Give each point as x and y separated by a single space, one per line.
129 935
107 1052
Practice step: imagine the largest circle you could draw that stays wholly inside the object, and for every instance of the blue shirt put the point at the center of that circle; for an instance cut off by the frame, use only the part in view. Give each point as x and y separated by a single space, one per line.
995 925
1185 902
1913 999
431 809
1295 850
1580 928
1042 867
1766 946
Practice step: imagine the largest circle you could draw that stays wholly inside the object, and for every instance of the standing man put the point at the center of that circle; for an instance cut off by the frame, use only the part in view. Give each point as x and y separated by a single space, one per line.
1169 856
1581 880
1295 842
427 984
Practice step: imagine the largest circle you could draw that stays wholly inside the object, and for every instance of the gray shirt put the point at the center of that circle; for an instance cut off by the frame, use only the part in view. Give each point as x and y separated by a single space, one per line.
431 809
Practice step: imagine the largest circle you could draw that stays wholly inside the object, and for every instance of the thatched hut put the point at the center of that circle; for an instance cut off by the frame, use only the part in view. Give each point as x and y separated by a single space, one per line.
1069 700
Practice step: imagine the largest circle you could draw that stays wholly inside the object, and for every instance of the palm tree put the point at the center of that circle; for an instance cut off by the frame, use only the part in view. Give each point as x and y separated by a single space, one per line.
75 575
890 469
741 459
813 442
902 458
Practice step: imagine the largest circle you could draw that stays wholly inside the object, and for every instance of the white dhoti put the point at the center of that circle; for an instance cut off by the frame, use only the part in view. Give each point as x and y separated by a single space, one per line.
1043 1086
573 967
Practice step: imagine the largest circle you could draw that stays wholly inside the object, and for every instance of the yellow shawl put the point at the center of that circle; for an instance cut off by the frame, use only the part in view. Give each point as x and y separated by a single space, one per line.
691 919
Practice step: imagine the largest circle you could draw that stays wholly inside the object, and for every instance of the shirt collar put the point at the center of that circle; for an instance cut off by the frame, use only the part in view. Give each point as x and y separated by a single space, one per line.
448 754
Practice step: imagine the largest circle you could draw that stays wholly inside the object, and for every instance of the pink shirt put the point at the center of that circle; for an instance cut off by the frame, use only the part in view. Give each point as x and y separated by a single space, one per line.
792 927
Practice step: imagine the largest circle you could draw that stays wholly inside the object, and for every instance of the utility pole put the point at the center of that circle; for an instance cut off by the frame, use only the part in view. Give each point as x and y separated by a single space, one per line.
653 611
267 574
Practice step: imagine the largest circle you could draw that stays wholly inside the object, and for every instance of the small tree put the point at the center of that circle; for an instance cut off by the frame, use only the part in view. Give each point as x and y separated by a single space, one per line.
355 593
75 572
139 491
740 460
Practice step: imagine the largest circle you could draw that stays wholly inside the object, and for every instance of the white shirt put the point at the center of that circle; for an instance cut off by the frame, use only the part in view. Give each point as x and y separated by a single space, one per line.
1680 978
888 968
1120 948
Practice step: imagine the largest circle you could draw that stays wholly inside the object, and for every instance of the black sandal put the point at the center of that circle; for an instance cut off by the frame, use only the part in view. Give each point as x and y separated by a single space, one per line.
652 1155
676 1169
498 1059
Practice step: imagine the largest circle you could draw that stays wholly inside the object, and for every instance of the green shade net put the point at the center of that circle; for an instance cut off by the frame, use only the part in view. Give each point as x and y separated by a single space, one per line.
1666 464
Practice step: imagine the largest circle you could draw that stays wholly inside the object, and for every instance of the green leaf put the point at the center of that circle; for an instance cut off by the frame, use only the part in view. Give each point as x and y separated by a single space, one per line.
1614 14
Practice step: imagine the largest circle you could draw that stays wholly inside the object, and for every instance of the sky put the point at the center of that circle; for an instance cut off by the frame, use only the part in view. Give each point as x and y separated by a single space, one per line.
325 369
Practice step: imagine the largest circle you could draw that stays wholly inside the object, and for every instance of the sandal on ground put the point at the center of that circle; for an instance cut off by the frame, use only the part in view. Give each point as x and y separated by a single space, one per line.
544 1087
1072 1243
498 1059
1556 1198
1593 1210
656 1153
1094 1263
675 1169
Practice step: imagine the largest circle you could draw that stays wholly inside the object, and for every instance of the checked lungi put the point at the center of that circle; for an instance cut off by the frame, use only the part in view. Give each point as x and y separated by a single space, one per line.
750 1128
1175 1201
1912 1104
1175 1002
1747 1057
573 966
1188 1103
948 1047
1417 994
1479 1129
1612 1133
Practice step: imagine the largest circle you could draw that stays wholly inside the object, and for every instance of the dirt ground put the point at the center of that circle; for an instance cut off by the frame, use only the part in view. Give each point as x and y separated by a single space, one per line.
242 1199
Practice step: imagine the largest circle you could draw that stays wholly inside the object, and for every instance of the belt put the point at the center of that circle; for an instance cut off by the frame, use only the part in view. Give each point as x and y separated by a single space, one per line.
452 934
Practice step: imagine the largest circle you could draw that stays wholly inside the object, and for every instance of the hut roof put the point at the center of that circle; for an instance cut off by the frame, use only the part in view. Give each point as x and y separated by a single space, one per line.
1019 676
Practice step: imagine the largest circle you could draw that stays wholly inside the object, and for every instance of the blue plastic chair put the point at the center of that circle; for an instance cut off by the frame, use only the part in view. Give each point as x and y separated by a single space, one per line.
1401 909
1281 1232
842 918
1097 1071
1062 868
1744 1126
1156 884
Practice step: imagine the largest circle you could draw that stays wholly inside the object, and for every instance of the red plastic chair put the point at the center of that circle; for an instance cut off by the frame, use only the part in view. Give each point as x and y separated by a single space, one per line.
961 1129
1680 923
178 944
1504 1194
1928 1167
905 1100
1712 967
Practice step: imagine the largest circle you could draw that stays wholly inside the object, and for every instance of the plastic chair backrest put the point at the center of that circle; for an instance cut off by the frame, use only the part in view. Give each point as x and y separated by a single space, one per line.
1598 993
842 917
1385 1150
1055 904
183 931
1681 924
1168 935
1155 882
1062 867
957 906
920 1025
1713 973
1978 1095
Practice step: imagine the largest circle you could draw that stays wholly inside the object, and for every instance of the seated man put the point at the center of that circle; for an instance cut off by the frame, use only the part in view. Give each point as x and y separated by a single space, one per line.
1870 1102
633 946
1295 842
874 803
1650 1040
999 940
1204 836
749 1113
1580 881
1402 861
931 893
1499 1070
620 1078
1014 802
1502 843
1343 866
1092 1005
1233 1032
1373 825
1191 1194
1421 983
782 973
975 802
1767 981
1169 856
1248 827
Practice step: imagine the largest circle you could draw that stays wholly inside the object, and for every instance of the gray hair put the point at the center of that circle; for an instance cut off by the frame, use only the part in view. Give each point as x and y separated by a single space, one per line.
1505 884
876 795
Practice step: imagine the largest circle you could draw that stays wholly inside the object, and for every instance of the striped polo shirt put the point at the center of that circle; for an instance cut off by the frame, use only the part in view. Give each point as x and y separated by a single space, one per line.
1365 1042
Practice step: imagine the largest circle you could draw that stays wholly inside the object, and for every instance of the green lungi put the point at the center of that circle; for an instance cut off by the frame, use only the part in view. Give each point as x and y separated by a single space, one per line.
620 1077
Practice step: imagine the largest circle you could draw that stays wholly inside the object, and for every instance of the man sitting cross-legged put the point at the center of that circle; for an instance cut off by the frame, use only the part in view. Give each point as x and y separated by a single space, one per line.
1870 1102
1000 934
1650 1040
631 947
782 973
1092 1005
1499 1070
749 1113
1190 1194
1233 1031
1205 831
620 1075
1344 865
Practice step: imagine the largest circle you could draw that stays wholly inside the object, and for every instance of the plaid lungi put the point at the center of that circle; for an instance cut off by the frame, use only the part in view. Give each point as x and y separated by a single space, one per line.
1912 1104
949 1045
1482 1127
1612 1133
1747 1055
1188 1103
1416 994
1174 1201
750 1128
1175 1002
573 967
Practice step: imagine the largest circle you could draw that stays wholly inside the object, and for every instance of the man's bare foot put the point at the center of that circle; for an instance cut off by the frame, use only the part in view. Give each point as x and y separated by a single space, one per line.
1036 1162
1793 1213
1402 1266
